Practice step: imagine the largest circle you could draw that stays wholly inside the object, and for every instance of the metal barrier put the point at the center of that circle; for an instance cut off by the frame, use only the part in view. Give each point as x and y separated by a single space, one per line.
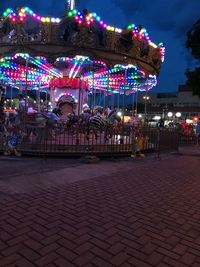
76 141
187 139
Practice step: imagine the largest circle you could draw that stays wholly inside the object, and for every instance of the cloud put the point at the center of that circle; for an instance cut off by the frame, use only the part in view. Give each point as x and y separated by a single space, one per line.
177 15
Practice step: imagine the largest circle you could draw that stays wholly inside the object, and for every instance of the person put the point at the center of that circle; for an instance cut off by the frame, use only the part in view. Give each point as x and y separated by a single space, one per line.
67 104
197 132
139 145
161 123
12 141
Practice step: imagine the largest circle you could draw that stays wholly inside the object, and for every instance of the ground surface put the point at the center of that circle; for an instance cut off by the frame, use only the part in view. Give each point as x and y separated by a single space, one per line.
58 212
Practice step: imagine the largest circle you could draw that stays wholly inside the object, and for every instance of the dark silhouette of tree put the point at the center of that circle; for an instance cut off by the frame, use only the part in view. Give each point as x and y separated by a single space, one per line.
193 43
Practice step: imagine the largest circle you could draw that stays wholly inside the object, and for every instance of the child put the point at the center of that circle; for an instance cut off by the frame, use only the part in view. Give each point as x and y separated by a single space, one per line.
138 146
12 141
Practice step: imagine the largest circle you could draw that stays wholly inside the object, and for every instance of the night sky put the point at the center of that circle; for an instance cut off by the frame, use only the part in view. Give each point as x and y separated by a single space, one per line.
166 21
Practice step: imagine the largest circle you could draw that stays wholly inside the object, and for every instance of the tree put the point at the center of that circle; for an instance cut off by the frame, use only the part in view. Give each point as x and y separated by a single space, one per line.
193 43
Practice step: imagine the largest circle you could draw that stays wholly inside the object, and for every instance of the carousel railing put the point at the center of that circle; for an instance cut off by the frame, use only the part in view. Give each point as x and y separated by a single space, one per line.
48 34
77 140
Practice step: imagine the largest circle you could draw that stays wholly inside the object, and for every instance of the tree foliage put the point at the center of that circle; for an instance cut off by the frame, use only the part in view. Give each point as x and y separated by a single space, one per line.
193 43
193 40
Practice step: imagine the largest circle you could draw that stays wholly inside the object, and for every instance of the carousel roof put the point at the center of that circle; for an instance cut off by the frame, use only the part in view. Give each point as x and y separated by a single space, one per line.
134 41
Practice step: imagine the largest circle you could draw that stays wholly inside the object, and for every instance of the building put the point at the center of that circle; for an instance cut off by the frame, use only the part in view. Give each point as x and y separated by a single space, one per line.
182 101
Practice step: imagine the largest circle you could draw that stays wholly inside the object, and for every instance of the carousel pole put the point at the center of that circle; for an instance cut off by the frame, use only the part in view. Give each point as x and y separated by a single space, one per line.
112 101
79 97
124 95
104 98
46 99
101 97
133 103
118 101
82 95
26 86
136 103
93 87
11 95
39 107
107 90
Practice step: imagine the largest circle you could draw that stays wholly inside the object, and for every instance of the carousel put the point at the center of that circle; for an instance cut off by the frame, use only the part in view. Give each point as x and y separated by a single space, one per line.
85 67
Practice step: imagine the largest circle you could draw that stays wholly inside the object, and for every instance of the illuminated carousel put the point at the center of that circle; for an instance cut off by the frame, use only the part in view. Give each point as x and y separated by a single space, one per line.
70 58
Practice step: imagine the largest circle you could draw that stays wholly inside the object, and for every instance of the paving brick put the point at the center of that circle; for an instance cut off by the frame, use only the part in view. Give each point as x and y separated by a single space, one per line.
115 249
24 263
67 254
101 262
173 240
11 249
126 264
48 249
149 248
188 258
138 263
84 259
34 245
50 239
99 243
155 258
9 259
4 236
180 249
120 258
83 248
29 254
63 263
3 245
168 253
132 218
101 253
49 258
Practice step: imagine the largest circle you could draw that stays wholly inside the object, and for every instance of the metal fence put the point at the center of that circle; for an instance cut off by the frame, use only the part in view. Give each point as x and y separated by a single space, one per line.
187 139
76 141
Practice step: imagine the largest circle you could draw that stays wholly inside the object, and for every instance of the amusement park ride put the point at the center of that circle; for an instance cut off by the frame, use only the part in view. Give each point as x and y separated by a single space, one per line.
70 58
77 54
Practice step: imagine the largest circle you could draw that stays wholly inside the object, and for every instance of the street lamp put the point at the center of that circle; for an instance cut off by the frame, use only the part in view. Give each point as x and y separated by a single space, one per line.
170 114
178 114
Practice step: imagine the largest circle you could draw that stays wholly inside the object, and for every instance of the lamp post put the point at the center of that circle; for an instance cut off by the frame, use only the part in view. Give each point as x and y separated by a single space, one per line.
70 4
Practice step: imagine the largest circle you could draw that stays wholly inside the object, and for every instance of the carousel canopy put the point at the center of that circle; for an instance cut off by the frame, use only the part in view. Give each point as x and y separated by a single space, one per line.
79 71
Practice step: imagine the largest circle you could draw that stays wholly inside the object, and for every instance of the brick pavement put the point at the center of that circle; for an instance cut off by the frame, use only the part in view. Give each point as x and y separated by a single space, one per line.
146 215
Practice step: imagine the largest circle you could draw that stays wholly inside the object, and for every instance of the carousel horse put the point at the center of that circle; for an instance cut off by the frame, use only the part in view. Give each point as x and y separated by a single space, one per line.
42 125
